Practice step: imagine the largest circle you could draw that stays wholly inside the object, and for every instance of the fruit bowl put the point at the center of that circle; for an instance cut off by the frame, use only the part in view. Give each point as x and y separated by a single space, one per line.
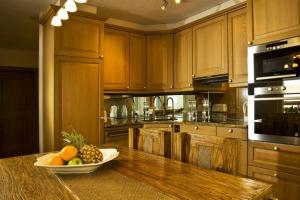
108 155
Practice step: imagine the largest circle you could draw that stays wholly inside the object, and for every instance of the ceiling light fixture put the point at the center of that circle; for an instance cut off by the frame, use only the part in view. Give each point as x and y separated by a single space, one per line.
70 6
80 1
56 21
164 5
63 14
178 1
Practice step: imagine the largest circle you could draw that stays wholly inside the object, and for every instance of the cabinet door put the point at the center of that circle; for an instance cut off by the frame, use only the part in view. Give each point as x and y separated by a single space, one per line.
274 19
138 62
116 60
160 62
237 48
183 58
79 37
78 97
210 48
285 186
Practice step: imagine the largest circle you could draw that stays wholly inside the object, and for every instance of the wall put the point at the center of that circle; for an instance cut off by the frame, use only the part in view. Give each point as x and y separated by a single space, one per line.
18 58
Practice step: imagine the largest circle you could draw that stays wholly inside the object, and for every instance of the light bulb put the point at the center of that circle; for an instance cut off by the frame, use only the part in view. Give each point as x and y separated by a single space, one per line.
63 14
70 6
56 21
80 1
177 1
163 7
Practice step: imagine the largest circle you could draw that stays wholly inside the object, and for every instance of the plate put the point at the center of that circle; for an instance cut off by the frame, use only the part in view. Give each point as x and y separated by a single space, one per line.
108 155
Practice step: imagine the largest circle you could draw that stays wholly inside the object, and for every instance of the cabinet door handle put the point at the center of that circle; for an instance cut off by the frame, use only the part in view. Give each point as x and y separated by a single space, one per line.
101 56
230 131
249 42
170 126
190 85
127 87
275 175
171 86
230 80
196 128
145 87
275 148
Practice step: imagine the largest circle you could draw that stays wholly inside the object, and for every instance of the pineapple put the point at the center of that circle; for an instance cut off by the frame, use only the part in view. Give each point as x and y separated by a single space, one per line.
88 153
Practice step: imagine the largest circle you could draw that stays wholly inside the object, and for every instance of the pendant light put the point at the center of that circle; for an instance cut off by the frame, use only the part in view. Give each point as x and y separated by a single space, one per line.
70 6
80 1
178 1
56 21
63 14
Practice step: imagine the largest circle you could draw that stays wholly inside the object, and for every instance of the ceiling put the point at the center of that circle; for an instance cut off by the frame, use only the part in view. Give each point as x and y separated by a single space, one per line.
19 18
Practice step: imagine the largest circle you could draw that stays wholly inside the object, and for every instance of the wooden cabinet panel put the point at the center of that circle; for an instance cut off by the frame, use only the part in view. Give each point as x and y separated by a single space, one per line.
79 37
199 129
159 62
138 63
210 48
77 86
285 186
237 48
274 19
240 133
116 60
280 157
183 58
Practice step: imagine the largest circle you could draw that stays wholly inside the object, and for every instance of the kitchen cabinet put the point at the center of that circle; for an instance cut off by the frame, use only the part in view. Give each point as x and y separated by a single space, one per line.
160 62
210 48
77 96
71 79
138 62
285 186
183 59
116 60
79 37
271 20
237 48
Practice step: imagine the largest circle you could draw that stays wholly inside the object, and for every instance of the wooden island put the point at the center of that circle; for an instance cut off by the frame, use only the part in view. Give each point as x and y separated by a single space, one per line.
133 175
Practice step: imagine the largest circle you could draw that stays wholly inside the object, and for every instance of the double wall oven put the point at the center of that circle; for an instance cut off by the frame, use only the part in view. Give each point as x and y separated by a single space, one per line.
274 92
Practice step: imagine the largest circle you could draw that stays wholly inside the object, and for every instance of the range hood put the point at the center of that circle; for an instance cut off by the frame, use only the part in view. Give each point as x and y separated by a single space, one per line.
213 79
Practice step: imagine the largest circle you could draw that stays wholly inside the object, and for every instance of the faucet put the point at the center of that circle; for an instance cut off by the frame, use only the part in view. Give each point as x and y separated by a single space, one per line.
164 110
173 110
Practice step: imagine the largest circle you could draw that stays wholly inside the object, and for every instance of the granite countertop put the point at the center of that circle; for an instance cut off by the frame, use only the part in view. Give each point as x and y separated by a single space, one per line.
231 123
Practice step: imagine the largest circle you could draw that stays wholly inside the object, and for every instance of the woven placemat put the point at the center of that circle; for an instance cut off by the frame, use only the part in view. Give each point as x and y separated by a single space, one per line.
106 183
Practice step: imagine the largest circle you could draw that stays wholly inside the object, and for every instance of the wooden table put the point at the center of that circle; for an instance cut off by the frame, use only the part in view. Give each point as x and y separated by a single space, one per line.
133 175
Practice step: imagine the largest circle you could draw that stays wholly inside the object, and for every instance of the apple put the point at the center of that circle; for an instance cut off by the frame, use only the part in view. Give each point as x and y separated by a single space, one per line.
75 161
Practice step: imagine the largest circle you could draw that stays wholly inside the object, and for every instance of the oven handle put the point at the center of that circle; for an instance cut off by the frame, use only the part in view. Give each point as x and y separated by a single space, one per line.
277 98
116 135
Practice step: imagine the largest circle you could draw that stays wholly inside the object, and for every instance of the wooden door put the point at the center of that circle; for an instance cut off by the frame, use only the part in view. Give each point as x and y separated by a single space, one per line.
210 48
285 186
138 63
160 62
79 37
273 19
116 60
18 112
237 48
78 97
183 59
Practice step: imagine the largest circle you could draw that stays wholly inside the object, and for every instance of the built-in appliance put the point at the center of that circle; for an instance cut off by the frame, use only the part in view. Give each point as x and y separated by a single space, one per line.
275 60
116 135
274 92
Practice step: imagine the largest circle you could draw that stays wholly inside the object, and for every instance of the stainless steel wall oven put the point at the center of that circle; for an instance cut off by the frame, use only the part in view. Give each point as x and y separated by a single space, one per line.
274 92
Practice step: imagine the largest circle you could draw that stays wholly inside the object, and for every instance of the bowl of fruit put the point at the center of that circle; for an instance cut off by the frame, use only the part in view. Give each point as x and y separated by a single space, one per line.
76 156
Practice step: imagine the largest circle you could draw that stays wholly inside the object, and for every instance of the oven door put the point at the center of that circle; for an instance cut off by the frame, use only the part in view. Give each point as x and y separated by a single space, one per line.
275 118
118 135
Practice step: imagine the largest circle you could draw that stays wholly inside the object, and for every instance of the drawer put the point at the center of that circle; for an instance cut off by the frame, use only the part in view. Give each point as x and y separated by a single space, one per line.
240 133
160 127
279 157
197 129
285 186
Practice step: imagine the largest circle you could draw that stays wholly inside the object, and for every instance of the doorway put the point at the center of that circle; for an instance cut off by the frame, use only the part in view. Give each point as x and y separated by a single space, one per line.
18 111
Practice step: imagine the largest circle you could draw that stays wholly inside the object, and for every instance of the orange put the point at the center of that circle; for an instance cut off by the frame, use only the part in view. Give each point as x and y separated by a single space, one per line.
68 153
56 160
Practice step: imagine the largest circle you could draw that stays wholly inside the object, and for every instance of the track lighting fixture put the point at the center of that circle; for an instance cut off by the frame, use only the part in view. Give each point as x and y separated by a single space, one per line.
164 5
62 14
56 21
178 1
70 6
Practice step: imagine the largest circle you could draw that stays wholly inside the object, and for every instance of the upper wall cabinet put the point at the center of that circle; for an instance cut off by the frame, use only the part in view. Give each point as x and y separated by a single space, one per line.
79 37
160 62
237 48
210 48
183 59
116 60
272 20
138 63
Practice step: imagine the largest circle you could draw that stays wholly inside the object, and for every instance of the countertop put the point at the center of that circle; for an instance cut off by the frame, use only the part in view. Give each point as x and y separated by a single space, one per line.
231 123
133 175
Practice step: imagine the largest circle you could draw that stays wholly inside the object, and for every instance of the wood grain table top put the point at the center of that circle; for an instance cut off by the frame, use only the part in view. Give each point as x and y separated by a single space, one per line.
133 175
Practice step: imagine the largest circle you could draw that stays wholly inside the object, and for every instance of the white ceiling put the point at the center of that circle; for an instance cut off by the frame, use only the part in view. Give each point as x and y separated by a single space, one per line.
19 24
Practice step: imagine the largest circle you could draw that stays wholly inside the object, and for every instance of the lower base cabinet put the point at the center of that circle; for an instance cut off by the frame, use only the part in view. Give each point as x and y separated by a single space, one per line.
285 186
